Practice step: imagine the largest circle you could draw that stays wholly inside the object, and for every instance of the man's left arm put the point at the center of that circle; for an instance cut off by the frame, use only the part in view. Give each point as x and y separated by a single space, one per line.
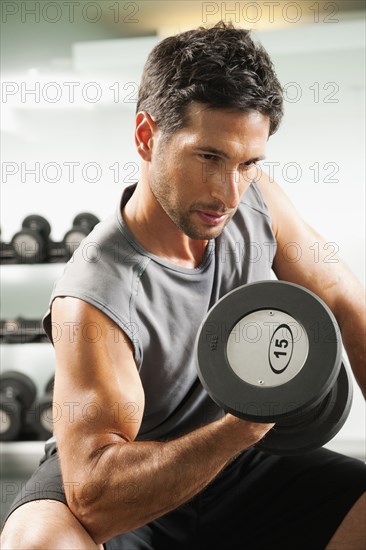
303 257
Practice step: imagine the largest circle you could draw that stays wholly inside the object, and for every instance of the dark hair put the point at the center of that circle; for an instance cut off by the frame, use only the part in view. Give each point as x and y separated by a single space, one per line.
219 66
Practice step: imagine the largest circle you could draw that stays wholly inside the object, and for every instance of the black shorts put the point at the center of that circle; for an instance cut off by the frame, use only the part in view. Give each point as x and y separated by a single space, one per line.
258 502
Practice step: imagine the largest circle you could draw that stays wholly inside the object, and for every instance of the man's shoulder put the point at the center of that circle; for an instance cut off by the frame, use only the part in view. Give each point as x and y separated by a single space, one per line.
108 243
253 200
252 216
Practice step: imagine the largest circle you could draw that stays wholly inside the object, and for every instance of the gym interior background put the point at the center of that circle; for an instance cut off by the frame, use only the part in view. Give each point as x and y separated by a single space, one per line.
70 75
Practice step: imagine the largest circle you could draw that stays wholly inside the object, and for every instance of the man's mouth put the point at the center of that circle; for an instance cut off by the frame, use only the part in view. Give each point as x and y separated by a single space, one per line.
211 217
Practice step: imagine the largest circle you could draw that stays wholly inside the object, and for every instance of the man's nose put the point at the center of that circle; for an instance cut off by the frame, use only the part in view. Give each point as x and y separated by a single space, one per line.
225 186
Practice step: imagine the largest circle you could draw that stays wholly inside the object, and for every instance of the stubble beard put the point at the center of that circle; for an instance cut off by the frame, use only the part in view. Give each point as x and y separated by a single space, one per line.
181 217
186 225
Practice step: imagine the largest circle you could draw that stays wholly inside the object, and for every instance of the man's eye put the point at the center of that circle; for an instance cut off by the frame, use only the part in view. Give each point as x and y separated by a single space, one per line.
249 164
207 156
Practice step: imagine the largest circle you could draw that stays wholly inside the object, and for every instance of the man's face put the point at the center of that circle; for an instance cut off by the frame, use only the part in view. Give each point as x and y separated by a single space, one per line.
200 174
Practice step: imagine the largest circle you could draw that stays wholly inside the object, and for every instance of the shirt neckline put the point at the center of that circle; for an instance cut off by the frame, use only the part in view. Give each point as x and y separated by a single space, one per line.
209 252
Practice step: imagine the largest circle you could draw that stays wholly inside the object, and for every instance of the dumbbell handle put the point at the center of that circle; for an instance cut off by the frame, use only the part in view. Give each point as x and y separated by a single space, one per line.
22 331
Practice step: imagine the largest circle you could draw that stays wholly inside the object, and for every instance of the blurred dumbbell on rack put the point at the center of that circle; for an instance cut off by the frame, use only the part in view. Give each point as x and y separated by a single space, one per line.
17 393
40 417
82 225
22 331
32 244
35 361
6 250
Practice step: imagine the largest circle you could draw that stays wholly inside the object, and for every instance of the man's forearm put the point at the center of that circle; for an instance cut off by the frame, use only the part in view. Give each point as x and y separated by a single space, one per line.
130 484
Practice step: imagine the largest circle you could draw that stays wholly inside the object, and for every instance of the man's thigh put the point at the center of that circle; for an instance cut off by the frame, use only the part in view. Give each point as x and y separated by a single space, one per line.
271 502
45 483
39 517
260 502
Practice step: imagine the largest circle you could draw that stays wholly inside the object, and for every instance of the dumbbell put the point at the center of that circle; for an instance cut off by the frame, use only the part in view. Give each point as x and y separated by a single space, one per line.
21 331
17 393
31 242
271 352
82 225
40 417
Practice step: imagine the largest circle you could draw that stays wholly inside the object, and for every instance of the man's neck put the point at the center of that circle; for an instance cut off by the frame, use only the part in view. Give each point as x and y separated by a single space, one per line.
156 232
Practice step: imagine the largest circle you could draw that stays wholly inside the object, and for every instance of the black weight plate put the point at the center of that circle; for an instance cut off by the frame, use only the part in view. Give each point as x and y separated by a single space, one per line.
86 220
73 238
269 404
29 246
37 223
49 385
10 418
314 429
44 410
22 386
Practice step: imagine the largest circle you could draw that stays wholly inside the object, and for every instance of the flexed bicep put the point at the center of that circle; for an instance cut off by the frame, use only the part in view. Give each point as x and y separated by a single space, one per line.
98 396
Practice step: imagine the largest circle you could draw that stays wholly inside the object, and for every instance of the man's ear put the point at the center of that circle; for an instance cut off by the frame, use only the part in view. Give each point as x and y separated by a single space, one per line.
145 131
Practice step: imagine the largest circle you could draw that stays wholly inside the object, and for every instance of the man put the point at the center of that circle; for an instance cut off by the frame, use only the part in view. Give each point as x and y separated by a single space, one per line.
147 460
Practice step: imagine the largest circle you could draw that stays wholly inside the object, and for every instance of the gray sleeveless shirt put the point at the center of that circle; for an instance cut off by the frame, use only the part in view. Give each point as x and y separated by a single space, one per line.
160 305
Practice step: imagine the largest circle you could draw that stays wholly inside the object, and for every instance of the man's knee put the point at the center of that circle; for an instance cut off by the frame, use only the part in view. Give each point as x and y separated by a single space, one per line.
45 525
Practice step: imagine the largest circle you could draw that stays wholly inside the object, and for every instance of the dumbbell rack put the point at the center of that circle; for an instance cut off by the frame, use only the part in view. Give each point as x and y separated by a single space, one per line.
32 244
25 292
56 253
31 263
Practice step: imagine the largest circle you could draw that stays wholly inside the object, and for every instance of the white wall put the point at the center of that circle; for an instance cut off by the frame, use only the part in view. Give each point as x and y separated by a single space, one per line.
322 69
91 124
